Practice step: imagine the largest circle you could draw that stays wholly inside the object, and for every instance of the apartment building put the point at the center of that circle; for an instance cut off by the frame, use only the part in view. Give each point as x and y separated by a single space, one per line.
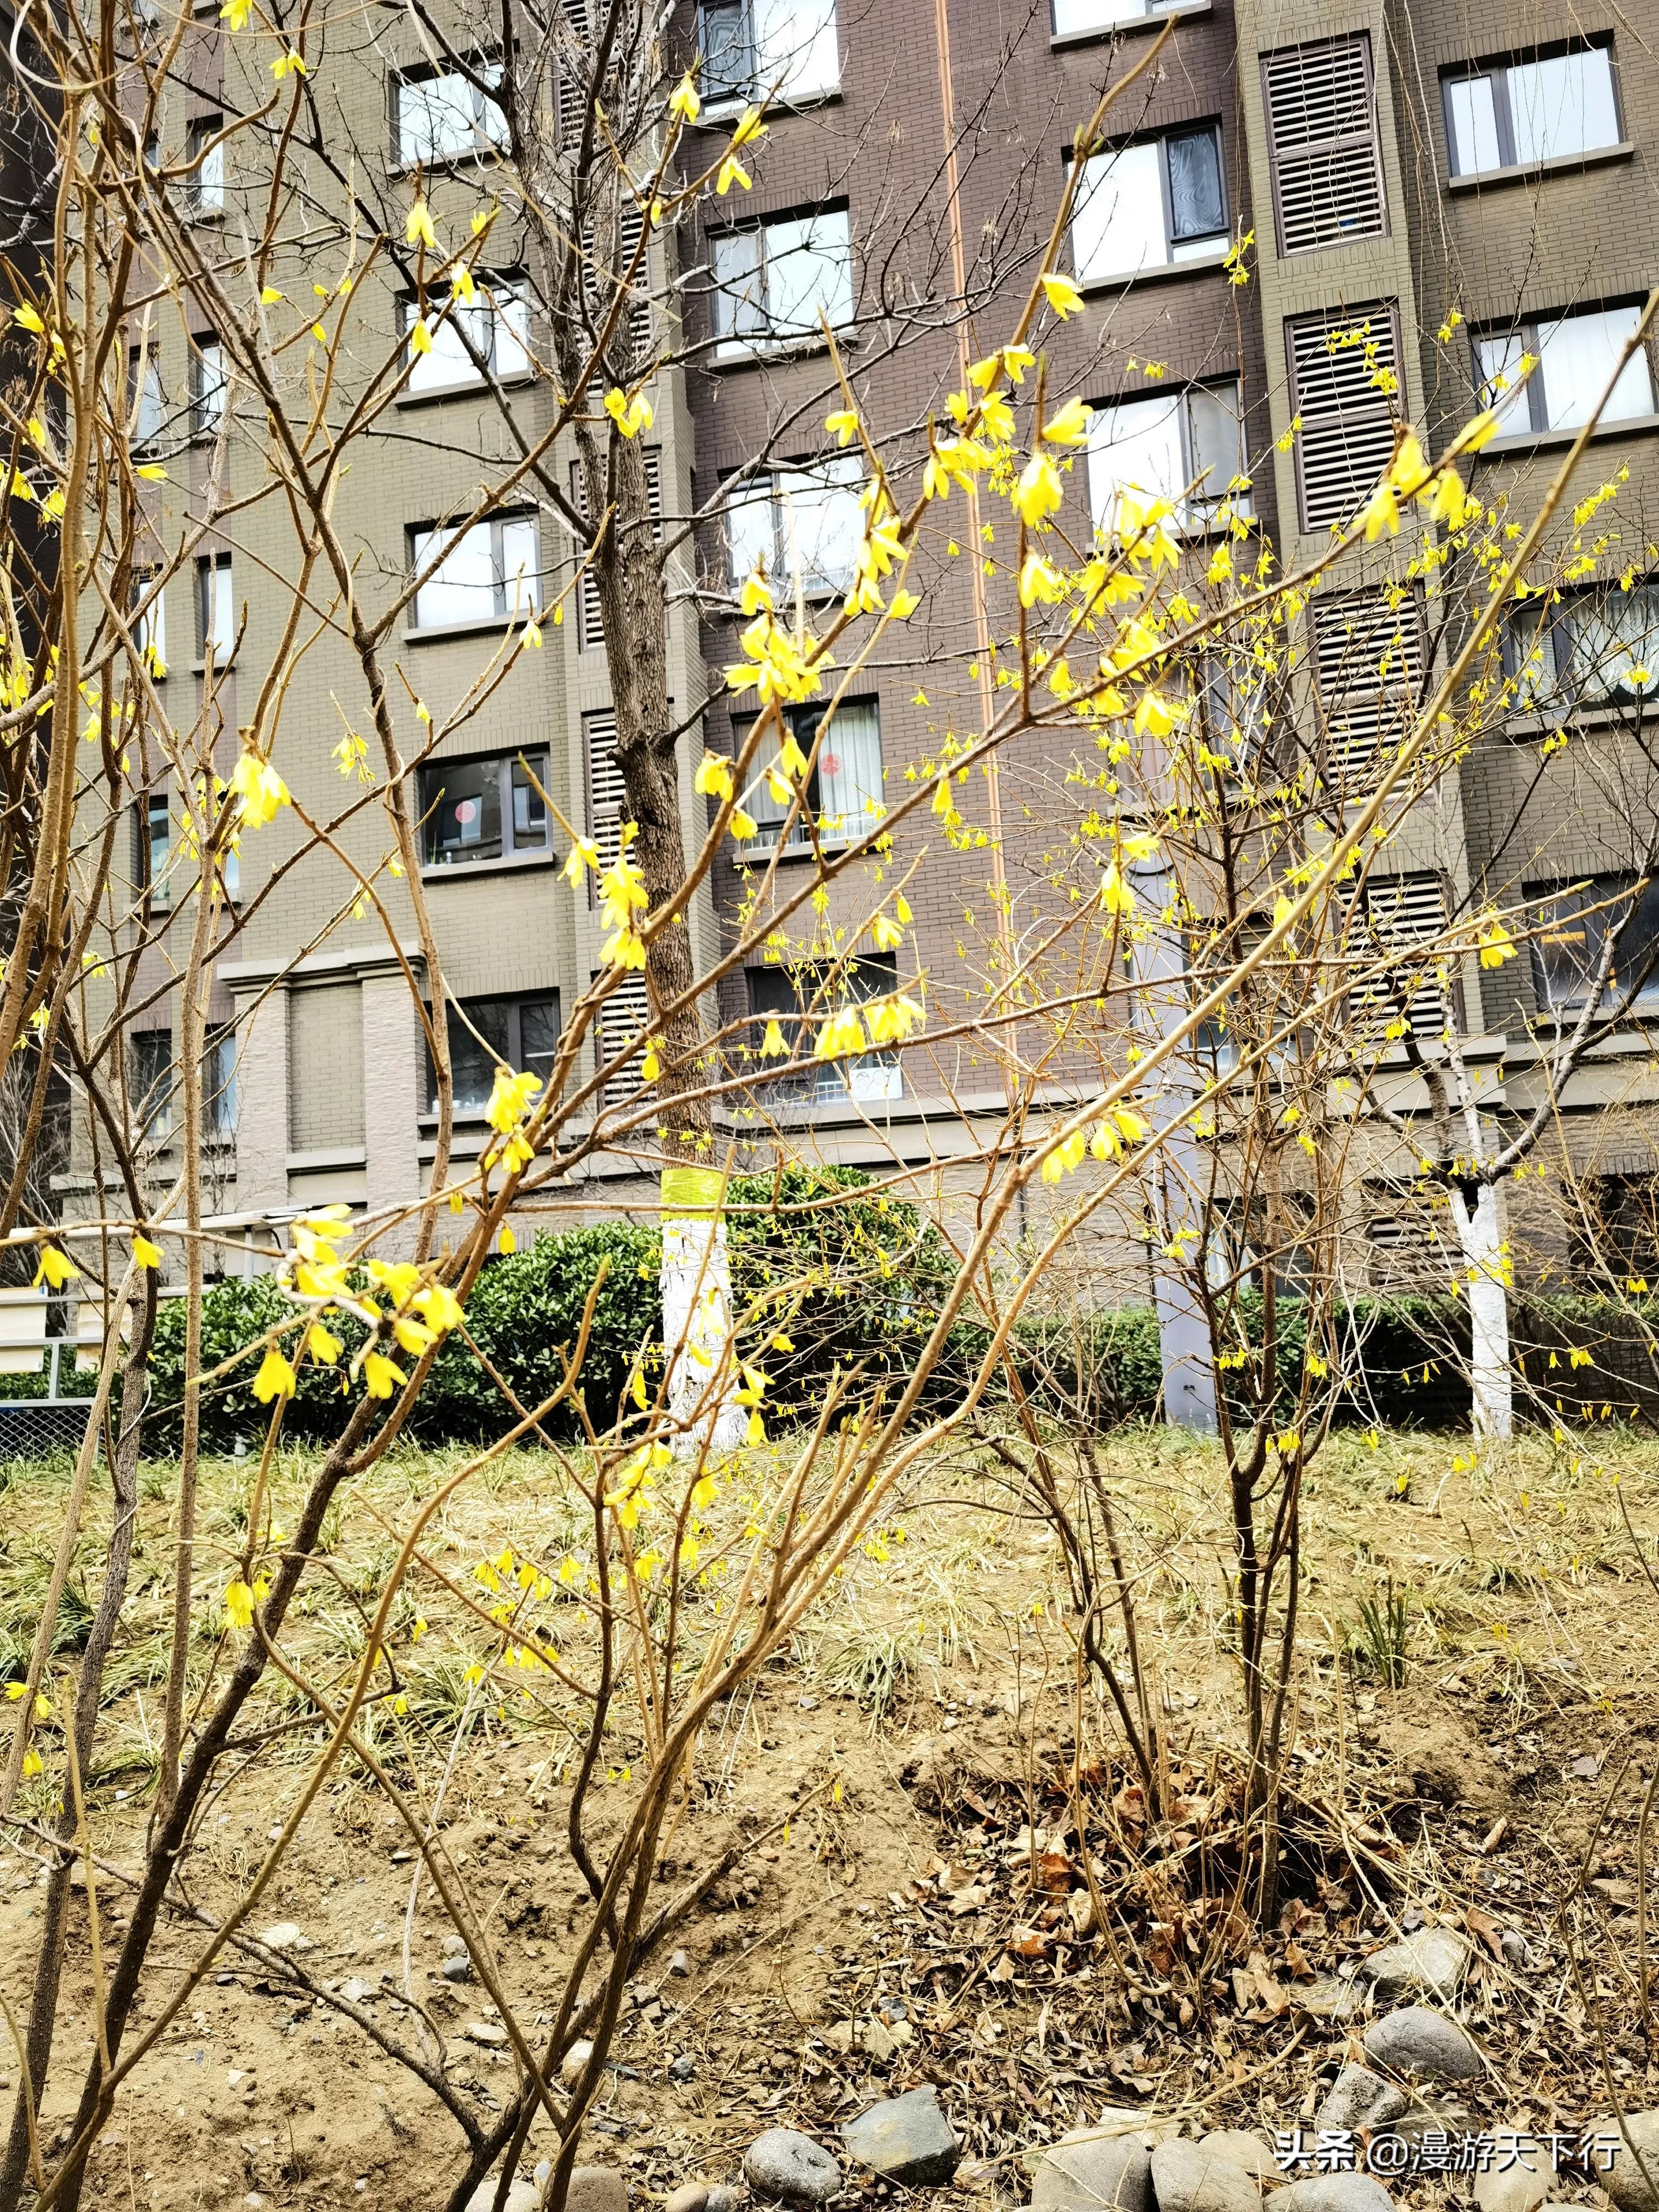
1430 192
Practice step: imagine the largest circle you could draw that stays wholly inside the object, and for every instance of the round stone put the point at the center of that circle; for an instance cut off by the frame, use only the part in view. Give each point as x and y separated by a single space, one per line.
1415 2040
788 2167
1188 2179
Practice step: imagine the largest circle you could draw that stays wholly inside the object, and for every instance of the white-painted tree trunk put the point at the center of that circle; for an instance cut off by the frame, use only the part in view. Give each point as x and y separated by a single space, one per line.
1487 1268
696 1314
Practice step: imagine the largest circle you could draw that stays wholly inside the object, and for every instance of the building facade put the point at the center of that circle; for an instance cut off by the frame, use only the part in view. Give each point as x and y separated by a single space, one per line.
1418 195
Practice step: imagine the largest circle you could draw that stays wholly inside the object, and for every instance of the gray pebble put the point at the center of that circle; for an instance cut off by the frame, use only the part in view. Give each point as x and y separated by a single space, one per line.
1246 2151
905 2139
723 2198
452 1943
1360 2098
690 2197
597 2189
1090 2172
683 2069
1332 2192
458 1967
1415 2040
1186 2178
1518 2180
1430 1959
680 1963
785 2165
1629 2188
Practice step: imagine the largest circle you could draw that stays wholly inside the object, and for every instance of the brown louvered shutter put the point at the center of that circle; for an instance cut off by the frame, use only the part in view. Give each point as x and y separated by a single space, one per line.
1322 137
1393 938
623 1019
590 630
1367 659
606 800
1347 437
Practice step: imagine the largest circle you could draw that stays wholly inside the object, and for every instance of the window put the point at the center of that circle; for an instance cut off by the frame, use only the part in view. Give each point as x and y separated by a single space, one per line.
207 161
1368 661
219 1083
1593 648
1573 926
1073 18
487 574
798 999
1321 135
1514 116
149 629
1395 943
779 50
1161 444
485 1034
771 281
497 325
152 832
207 388
215 608
441 115
146 407
1346 439
1575 356
484 810
150 1081
799 521
843 785
1150 205
1616 1231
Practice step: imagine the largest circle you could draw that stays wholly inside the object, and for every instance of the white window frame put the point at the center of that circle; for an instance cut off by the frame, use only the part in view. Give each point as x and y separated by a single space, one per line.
776 244
207 179
1561 402
512 600
1195 513
489 118
1143 165
1085 19
1504 85
498 320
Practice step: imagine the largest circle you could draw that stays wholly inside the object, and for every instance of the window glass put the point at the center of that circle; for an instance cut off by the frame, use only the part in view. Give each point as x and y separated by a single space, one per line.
1072 16
152 1082
219 1083
1576 355
1563 106
538 1036
215 607
520 590
473 1064
498 324
483 574
207 404
529 808
208 188
1572 933
150 630
788 993
147 410
1117 223
465 823
739 296
1134 444
820 524
158 847
1472 118
1218 442
751 536
1614 648
1497 367
807 267
1197 210
849 770
728 48
443 118
796 48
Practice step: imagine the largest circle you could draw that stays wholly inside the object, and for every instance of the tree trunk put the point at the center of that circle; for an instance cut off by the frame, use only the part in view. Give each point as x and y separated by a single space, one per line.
1486 1270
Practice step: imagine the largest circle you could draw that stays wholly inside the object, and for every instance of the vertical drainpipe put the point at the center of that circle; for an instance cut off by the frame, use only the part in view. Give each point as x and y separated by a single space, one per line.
1161 1003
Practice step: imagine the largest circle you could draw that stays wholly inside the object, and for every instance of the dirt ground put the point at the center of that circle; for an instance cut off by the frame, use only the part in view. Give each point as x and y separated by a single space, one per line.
924 1779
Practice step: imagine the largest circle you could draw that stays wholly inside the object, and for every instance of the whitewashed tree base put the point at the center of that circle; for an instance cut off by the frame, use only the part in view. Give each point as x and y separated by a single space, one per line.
696 1334
1486 1265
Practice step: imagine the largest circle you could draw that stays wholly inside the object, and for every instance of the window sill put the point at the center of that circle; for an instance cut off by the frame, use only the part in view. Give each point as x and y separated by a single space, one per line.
1526 729
449 166
465 870
1527 442
759 855
332 1155
1159 272
1062 41
439 392
717 113
220 667
493 626
1520 173
746 353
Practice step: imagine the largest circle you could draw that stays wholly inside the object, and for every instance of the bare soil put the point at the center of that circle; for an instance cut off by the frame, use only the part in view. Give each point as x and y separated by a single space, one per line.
940 1815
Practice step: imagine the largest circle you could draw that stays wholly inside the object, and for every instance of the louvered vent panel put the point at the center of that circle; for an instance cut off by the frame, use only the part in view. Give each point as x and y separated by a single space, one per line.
590 630
1347 437
1393 940
1327 183
599 281
607 800
621 1024
1369 659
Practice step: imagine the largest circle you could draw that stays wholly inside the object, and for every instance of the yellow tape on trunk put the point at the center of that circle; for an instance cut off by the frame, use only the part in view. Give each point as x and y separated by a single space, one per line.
692 1190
